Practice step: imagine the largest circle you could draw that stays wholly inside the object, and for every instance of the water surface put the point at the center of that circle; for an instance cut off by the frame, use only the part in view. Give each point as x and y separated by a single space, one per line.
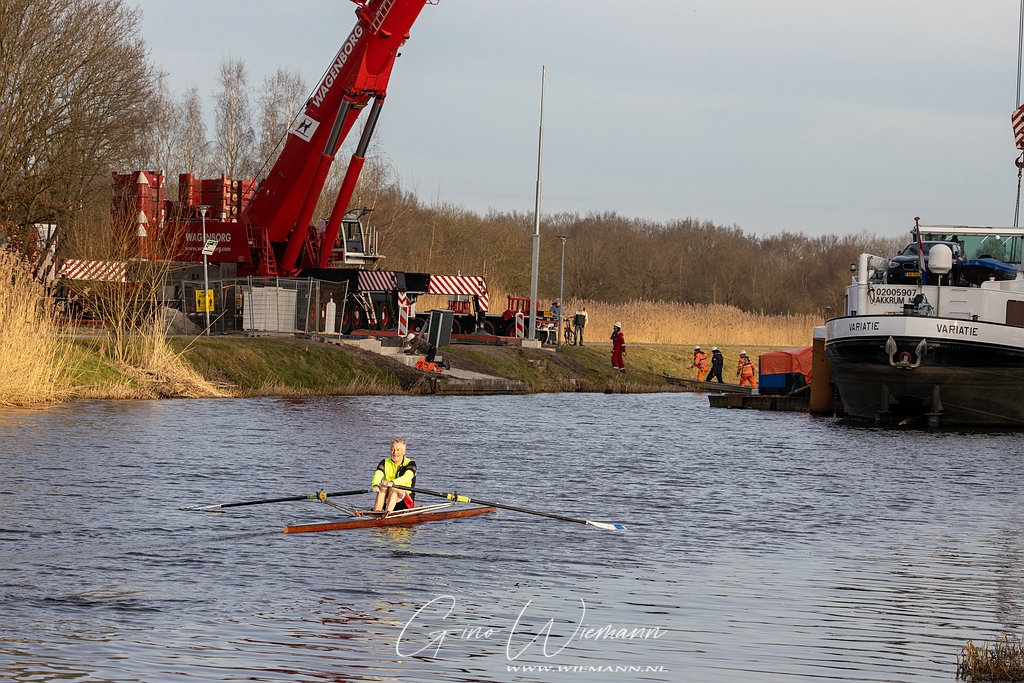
761 546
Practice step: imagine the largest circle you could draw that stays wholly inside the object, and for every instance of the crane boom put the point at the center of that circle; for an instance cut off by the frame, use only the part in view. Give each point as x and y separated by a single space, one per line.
286 199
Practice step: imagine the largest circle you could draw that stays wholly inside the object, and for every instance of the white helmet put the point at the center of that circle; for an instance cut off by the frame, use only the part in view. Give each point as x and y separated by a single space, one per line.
619 325
714 348
696 348
743 353
410 336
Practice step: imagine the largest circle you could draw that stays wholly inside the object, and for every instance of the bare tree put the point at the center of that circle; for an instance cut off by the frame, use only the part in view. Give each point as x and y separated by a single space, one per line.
166 114
192 150
281 98
235 138
76 97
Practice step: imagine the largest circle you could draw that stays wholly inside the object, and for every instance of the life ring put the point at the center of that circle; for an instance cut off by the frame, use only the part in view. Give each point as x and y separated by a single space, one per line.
905 357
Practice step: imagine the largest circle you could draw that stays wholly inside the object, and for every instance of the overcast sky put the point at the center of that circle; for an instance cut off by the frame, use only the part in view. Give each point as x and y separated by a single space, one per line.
816 116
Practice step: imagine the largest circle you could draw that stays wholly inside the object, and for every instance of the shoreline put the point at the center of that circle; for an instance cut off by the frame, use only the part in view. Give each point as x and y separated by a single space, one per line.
240 367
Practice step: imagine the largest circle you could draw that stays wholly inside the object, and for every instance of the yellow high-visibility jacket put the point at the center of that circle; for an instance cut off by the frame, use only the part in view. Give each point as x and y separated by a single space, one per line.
403 475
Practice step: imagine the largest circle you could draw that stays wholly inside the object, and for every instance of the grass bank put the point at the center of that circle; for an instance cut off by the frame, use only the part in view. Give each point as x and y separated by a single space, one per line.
265 366
588 368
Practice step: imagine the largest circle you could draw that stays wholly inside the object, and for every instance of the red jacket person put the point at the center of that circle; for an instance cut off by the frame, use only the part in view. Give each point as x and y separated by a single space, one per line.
618 348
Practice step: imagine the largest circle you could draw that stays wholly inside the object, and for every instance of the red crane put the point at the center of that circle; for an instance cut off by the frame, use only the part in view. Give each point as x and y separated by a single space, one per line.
279 215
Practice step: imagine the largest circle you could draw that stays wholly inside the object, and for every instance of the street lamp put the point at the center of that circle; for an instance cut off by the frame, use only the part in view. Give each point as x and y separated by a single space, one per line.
206 279
561 300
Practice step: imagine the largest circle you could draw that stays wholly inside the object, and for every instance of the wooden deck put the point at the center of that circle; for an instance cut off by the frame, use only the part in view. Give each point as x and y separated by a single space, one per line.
709 387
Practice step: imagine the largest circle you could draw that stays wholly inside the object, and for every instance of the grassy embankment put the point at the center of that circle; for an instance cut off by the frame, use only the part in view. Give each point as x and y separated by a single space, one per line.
239 366
40 362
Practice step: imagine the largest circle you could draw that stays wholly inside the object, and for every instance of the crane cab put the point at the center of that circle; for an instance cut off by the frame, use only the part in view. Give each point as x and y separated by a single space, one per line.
356 244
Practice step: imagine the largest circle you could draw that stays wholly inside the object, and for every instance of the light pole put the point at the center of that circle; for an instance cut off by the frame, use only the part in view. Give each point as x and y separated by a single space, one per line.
536 216
561 287
206 279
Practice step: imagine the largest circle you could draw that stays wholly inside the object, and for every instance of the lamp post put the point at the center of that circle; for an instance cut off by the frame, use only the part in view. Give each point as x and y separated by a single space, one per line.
536 216
561 287
206 279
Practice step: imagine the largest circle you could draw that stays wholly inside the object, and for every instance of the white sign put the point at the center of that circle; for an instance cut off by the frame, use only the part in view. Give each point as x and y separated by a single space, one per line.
305 128
209 247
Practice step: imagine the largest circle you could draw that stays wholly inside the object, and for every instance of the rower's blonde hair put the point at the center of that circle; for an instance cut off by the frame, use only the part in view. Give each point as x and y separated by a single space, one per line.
398 439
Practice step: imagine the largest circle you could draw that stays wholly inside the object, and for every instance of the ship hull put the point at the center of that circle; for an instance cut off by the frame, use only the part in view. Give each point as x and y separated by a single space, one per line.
946 372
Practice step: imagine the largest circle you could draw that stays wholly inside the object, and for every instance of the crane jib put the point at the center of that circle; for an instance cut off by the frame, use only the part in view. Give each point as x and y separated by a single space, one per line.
339 61
360 70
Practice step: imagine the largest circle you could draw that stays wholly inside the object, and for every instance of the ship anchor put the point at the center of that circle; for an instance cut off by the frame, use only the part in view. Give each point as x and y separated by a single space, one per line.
904 362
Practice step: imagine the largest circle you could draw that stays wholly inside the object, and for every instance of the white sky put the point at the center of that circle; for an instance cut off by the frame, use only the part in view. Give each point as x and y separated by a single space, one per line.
816 116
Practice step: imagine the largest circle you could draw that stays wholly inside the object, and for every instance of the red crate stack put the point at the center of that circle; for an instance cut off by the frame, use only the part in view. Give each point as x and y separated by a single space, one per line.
139 206
189 189
217 195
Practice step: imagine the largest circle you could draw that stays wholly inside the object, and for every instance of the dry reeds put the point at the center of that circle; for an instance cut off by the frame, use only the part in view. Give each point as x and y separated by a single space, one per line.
706 324
1002 660
34 353
664 322
357 386
158 370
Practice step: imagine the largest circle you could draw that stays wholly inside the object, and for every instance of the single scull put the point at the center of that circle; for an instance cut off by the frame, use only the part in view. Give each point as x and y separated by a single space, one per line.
361 520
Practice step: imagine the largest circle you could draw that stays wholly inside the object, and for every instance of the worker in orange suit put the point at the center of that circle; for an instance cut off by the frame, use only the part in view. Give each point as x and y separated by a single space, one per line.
618 348
700 361
745 371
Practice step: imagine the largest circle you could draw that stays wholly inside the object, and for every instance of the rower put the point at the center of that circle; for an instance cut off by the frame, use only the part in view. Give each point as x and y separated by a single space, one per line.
396 470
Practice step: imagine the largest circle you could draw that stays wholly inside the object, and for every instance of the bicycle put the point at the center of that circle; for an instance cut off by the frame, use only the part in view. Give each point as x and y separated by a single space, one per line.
568 334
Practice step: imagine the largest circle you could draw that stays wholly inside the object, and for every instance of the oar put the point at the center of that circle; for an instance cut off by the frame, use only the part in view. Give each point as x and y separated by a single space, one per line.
466 499
319 495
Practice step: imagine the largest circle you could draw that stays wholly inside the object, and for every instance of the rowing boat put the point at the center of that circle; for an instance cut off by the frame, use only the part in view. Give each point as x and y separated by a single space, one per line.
416 515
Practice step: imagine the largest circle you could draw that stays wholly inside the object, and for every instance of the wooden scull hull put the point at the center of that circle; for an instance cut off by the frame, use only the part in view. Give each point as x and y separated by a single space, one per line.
363 522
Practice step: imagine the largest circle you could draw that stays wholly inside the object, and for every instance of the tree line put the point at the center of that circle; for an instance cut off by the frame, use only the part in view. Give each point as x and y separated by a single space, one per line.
613 258
79 98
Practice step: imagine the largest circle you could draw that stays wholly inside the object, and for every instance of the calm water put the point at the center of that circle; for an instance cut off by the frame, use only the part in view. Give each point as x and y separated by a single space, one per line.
760 546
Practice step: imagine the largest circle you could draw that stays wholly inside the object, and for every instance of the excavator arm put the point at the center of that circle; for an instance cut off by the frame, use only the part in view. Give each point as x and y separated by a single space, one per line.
283 205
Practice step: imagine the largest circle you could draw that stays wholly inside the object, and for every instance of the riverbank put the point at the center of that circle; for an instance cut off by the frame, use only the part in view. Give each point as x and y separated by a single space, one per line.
286 366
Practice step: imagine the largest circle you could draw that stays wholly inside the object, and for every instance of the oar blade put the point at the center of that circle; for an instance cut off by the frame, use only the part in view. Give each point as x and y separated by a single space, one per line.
200 508
606 526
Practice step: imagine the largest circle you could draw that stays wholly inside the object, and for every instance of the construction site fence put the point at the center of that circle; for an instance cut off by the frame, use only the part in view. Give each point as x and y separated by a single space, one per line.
254 304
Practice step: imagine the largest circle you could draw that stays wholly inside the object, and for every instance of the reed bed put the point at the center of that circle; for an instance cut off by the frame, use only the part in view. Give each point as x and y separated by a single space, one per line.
158 371
357 386
1001 660
690 324
665 322
35 354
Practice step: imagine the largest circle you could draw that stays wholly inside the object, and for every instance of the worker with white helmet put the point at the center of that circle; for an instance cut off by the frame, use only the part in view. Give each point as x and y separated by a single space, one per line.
745 371
700 361
418 346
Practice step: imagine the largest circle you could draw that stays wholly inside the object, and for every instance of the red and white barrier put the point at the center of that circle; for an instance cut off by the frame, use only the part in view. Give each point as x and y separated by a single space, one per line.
403 321
520 325
100 271
460 284
376 280
404 309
